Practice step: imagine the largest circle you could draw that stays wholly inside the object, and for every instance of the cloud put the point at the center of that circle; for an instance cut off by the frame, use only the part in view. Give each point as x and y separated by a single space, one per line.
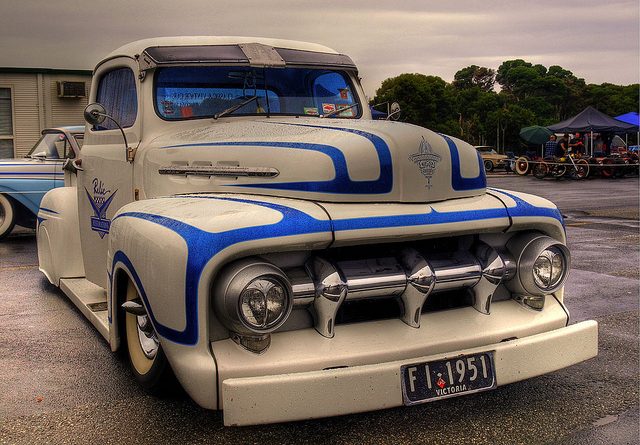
596 40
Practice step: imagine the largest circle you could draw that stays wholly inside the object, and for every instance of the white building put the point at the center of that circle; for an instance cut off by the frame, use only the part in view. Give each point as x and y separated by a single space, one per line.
32 99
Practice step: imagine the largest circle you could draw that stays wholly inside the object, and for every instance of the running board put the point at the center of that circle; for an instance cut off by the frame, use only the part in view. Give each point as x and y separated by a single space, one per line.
90 299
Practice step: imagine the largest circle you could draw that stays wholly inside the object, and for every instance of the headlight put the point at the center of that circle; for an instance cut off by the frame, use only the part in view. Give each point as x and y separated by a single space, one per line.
542 264
549 268
252 297
263 303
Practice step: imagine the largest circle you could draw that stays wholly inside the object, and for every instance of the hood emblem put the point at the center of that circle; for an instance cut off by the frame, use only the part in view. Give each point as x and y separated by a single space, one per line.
426 159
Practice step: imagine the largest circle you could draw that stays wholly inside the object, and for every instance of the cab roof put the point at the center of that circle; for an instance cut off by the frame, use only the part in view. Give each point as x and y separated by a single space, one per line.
135 48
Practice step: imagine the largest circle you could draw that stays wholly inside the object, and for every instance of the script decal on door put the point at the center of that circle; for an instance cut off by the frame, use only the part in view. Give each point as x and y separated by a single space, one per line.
100 200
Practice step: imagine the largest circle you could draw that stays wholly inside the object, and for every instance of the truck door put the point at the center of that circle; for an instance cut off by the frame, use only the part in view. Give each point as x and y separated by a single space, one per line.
105 182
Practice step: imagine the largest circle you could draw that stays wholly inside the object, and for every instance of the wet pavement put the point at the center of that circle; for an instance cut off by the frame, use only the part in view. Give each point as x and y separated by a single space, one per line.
59 382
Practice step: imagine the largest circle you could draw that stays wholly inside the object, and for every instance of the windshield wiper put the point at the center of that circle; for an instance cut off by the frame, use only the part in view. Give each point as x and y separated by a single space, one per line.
235 107
340 110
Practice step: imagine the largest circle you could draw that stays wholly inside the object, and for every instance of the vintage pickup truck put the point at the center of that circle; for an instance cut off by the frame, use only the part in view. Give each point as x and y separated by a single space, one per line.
240 221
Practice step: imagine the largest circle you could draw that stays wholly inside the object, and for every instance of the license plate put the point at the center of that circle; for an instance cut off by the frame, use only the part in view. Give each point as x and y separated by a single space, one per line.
440 379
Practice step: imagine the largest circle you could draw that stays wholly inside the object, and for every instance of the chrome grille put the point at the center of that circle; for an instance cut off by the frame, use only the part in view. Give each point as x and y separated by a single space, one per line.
411 276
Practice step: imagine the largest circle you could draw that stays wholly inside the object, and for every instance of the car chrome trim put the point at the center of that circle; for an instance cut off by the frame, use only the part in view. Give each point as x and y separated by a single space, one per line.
219 170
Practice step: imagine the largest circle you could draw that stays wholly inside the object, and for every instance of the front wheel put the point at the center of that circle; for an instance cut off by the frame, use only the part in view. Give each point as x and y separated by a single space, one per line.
148 361
581 170
488 166
540 170
7 216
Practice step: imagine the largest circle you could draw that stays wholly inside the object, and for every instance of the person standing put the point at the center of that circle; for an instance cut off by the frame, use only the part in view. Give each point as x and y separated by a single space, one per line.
550 147
562 146
577 146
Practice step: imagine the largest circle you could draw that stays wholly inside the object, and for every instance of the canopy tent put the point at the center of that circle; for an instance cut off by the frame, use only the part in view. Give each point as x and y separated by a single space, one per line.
630 118
592 120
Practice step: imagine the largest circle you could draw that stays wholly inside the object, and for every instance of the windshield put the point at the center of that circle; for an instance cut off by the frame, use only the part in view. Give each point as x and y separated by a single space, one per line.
54 146
198 92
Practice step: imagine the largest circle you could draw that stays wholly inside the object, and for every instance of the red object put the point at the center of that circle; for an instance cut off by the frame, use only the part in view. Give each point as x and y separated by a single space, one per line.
441 383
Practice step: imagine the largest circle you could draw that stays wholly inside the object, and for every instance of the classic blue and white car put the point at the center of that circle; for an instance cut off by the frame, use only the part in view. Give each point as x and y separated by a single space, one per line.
239 220
23 182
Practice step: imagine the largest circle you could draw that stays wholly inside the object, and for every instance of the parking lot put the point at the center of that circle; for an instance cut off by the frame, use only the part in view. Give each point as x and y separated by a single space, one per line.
60 383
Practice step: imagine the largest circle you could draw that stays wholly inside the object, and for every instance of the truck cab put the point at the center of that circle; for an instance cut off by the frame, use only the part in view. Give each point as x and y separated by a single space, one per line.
239 220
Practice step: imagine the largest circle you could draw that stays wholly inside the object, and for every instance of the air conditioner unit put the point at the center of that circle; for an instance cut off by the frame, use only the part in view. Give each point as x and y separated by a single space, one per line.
71 89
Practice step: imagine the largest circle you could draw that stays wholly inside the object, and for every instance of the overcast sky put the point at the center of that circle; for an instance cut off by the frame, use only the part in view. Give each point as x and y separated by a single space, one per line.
596 39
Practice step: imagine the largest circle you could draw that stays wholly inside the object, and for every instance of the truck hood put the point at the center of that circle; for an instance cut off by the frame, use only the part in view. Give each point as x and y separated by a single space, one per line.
329 160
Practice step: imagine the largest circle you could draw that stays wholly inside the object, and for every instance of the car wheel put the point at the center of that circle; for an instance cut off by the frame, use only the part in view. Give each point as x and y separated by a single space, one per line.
7 216
148 361
522 166
488 166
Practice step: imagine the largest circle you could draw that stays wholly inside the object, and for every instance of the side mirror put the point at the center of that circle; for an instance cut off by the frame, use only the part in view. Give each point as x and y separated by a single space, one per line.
95 113
394 111
40 155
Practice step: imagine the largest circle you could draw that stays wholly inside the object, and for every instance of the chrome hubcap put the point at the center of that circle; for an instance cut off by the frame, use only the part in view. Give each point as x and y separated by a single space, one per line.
147 336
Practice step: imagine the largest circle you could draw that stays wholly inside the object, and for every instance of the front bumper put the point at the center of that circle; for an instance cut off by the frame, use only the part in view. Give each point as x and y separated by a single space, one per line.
282 390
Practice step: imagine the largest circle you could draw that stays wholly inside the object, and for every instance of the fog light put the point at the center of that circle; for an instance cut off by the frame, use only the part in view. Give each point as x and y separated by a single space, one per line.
533 301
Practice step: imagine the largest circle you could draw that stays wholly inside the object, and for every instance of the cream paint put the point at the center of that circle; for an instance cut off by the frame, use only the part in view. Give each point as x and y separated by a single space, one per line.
150 242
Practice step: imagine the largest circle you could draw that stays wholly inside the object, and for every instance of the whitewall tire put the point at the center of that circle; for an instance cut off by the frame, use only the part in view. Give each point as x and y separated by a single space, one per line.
148 361
7 216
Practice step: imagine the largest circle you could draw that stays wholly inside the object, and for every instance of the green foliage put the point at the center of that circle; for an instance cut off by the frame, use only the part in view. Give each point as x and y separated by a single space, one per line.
529 94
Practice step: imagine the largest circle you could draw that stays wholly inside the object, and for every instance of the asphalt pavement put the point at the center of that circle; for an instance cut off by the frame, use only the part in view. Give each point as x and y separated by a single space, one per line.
59 382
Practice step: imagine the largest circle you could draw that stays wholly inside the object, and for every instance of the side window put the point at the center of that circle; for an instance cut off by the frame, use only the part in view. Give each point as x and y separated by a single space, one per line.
117 92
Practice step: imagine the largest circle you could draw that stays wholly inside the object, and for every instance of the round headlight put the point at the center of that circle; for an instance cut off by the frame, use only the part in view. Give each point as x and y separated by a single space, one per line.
542 264
549 268
263 303
252 296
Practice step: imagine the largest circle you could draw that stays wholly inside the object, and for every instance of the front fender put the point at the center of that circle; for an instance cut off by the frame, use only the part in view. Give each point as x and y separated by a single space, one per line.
172 248
58 235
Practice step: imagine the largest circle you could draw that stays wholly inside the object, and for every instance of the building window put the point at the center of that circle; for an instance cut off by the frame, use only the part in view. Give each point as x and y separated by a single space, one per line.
117 92
6 124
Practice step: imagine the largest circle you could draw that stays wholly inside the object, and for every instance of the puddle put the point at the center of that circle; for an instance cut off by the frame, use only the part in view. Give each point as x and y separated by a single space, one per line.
606 420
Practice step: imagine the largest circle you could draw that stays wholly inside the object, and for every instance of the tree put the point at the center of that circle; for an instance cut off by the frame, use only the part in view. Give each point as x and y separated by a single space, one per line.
508 121
475 76
530 95
424 100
